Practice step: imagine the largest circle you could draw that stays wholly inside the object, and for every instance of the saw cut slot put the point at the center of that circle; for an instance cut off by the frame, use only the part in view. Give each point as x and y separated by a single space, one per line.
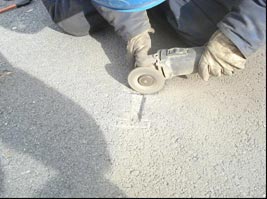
163 73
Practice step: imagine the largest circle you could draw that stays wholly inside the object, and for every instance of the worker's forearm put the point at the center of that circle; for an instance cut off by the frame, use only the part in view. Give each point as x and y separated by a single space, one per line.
127 25
245 25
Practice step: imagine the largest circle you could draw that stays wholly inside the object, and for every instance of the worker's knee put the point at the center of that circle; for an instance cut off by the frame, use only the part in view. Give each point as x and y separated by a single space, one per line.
75 17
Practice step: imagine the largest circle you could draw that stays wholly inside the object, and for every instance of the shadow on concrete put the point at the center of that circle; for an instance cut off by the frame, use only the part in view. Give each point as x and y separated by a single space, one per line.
115 49
39 122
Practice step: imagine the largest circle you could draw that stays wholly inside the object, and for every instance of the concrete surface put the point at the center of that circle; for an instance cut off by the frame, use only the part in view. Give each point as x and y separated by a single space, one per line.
71 127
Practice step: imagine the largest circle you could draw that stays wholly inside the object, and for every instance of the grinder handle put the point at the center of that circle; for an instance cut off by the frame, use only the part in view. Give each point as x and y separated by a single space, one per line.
179 61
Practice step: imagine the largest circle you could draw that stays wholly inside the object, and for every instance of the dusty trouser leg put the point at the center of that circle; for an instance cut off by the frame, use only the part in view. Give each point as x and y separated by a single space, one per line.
196 20
75 17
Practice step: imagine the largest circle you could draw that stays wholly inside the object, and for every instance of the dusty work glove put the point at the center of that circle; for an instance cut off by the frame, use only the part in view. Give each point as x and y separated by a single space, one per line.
138 47
221 56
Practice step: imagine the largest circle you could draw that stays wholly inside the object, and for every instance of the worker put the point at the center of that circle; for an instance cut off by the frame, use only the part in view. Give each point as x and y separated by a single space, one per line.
230 30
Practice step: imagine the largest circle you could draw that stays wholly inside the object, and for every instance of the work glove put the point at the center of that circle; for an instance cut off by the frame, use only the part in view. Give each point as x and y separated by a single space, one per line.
221 56
137 49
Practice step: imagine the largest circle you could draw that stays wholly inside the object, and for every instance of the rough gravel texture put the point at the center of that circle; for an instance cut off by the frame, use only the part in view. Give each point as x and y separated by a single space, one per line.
71 127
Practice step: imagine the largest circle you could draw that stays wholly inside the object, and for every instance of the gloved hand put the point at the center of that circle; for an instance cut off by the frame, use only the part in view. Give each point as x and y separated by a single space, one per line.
138 47
221 56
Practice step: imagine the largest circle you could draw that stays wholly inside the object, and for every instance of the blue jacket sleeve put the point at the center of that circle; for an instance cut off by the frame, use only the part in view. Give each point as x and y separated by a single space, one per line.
245 25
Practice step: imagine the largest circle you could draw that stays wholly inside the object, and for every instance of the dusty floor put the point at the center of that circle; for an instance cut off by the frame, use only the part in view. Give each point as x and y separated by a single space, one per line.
71 127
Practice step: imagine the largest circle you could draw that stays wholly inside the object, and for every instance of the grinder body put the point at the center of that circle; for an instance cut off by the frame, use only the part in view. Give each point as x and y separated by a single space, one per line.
167 63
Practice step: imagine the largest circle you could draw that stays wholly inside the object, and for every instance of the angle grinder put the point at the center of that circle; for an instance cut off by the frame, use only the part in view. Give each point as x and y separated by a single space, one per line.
168 63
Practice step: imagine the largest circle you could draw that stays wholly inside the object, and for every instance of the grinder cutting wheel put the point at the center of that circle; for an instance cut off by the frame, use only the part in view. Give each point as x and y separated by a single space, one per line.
166 64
